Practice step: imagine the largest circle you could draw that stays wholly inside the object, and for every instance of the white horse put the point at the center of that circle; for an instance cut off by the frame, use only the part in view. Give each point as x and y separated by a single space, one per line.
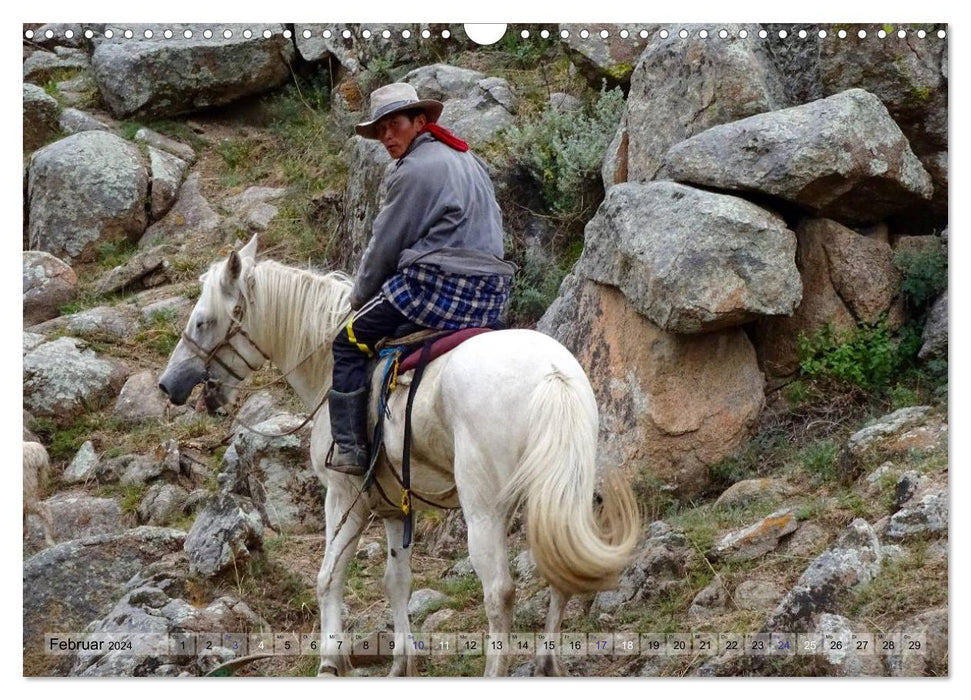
506 419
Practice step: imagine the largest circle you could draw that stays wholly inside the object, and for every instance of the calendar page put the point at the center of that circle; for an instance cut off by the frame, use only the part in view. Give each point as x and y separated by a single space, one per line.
528 349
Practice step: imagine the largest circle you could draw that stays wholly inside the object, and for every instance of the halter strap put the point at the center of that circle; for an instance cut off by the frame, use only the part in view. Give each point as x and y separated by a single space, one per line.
210 356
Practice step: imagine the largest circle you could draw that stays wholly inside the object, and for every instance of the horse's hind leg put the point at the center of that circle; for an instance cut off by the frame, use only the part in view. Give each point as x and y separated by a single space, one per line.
340 547
397 582
487 549
548 664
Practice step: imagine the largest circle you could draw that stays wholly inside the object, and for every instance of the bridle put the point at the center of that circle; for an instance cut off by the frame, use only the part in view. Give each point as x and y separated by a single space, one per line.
212 355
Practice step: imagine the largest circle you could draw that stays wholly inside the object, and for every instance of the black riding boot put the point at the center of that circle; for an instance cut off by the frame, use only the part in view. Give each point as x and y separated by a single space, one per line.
348 426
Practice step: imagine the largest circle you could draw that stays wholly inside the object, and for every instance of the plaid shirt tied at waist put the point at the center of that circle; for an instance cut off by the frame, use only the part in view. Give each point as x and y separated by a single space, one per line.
434 299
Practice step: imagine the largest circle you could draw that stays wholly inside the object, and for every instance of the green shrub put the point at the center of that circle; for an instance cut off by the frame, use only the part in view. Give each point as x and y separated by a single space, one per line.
924 274
534 288
819 458
869 357
563 152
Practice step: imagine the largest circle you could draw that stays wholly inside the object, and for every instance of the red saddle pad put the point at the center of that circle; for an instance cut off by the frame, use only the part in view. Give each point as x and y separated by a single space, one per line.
440 347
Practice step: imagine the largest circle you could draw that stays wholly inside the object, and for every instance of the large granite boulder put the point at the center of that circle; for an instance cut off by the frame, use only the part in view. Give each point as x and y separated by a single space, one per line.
680 87
846 278
276 473
157 603
670 405
600 58
346 47
69 585
49 283
908 74
152 78
691 261
83 190
368 161
116 322
442 82
480 115
842 157
62 379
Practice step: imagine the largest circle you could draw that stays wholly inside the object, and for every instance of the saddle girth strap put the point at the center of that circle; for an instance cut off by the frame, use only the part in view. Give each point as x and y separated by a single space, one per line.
407 512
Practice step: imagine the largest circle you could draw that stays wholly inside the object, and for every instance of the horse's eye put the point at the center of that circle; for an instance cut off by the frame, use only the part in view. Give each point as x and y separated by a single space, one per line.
202 323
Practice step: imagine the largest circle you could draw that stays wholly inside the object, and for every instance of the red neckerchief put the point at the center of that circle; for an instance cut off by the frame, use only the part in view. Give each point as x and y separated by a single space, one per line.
442 134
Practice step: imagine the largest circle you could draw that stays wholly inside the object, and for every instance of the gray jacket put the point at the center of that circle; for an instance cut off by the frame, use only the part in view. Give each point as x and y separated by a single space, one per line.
440 209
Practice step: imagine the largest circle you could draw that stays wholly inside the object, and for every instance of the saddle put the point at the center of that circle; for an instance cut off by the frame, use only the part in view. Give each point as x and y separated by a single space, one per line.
411 352
441 343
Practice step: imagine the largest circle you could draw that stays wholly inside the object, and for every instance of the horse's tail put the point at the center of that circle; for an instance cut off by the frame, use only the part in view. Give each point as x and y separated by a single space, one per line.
576 547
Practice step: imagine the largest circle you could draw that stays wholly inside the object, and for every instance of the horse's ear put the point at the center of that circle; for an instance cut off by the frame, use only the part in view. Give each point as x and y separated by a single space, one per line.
249 250
234 266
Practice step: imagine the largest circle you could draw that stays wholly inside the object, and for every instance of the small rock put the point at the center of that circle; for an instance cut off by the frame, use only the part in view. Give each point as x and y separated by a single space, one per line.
660 564
172 306
140 400
83 467
839 651
372 552
49 283
435 621
117 322
161 503
894 423
423 600
73 121
63 378
223 533
932 625
40 117
757 595
906 487
750 490
757 539
562 102
138 469
450 537
168 171
855 559
134 271
525 566
807 540
712 599
164 143
78 515
928 516
463 567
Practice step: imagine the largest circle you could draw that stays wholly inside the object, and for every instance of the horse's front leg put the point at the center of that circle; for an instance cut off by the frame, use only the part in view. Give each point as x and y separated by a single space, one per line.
397 582
341 545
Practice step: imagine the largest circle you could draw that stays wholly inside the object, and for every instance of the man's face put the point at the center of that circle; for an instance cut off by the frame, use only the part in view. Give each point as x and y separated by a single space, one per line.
397 131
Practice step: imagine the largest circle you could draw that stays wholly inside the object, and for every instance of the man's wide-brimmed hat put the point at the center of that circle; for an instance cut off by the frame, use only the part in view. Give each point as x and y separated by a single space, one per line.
392 98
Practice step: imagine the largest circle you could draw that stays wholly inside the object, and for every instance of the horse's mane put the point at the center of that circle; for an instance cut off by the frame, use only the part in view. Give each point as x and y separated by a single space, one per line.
297 313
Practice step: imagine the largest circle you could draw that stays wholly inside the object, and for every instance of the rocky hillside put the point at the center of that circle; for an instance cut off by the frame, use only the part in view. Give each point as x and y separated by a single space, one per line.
742 237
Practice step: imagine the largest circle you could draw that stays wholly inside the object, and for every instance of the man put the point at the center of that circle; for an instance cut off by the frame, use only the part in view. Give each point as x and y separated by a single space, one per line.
434 259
